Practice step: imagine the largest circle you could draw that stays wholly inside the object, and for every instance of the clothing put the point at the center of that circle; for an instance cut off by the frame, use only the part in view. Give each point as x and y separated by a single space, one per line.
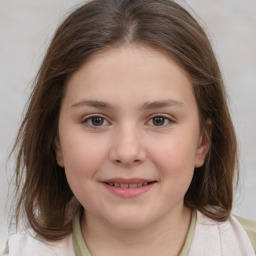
81 249
214 238
250 228
206 237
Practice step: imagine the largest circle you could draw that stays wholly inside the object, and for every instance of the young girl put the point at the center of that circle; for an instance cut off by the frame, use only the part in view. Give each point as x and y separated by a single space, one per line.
127 146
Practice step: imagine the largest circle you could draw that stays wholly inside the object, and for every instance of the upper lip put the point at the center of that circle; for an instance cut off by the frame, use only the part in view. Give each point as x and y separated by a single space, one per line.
127 181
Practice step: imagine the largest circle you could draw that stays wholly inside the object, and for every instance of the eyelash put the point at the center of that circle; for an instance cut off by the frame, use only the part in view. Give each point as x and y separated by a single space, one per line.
89 119
166 118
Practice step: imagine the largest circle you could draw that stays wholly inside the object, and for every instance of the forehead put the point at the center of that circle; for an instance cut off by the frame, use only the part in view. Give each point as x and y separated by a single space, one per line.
135 72
129 58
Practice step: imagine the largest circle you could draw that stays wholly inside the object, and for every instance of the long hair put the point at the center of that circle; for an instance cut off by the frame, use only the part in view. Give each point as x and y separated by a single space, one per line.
43 196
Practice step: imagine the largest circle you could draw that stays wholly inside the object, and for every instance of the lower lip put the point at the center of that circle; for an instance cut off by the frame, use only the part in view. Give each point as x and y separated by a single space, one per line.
128 192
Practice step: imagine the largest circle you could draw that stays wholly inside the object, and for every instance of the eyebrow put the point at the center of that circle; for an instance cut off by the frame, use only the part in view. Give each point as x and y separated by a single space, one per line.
145 106
93 103
161 104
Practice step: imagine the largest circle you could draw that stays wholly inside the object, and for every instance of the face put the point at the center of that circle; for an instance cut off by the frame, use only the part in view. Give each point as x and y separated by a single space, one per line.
129 136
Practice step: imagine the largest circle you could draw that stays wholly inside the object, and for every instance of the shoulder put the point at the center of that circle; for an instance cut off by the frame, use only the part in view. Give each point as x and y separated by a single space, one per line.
25 244
220 238
250 228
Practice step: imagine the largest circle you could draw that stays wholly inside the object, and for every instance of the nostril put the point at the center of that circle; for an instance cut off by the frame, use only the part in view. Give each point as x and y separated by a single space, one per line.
128 163
126 156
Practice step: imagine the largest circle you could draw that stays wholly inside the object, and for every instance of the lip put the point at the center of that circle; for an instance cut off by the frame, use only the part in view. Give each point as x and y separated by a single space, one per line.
128 192
127 181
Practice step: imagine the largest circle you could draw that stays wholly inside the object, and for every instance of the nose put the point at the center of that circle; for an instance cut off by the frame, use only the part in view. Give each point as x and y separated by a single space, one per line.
127 148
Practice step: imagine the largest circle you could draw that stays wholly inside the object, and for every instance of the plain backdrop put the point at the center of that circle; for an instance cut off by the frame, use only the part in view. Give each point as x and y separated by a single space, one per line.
26 28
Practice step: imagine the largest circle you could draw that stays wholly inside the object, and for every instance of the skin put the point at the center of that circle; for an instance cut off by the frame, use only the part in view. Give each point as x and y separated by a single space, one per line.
129 144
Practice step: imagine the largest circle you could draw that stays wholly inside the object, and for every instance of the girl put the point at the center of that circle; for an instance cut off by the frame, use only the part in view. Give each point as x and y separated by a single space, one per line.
127 146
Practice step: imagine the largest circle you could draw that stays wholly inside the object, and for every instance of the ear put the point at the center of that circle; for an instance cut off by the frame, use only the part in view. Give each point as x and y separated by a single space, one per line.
204 143
58 152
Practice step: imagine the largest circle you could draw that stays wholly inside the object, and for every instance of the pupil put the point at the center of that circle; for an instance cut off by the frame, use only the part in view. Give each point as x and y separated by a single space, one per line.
158 121
97 121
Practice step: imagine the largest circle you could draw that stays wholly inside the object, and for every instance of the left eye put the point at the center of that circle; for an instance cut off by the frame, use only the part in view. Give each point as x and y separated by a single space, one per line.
95 121
159 121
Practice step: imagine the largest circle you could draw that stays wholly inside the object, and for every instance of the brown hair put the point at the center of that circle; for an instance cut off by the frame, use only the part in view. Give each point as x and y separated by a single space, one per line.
42 191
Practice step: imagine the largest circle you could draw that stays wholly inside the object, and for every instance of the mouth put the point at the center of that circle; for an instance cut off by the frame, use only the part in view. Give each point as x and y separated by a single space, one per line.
128 188
129 185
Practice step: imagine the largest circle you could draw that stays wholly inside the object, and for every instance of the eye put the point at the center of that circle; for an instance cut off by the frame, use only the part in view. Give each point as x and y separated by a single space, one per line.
95 121
160 120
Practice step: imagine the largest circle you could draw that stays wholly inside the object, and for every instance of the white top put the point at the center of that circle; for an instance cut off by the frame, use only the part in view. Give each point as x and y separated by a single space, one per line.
211 238
26 245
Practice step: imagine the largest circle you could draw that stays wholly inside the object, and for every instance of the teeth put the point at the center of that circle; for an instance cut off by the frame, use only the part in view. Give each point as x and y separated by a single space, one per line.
133 185
124 185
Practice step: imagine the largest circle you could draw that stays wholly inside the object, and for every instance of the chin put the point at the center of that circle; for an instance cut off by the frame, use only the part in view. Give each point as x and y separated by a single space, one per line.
130 221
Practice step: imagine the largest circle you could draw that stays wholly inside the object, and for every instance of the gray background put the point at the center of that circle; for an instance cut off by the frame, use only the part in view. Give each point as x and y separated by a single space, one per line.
25 30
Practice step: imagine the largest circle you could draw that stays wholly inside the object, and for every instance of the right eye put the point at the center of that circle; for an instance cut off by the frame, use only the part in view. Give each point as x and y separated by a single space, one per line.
95 121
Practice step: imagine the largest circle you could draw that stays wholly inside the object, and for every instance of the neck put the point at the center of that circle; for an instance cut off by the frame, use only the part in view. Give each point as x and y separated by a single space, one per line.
163 237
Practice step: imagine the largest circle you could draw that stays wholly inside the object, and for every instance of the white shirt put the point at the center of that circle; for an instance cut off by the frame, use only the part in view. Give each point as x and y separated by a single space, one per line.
211 238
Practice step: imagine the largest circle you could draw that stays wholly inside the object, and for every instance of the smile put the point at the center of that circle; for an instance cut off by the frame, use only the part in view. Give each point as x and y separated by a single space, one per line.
125 185
128 188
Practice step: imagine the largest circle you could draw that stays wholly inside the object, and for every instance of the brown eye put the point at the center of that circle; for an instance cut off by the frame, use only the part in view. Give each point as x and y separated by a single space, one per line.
97 121
159 121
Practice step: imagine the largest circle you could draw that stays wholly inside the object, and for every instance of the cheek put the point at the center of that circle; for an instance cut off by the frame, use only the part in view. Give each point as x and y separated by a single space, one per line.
177 153
175 158
176 168
82 157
